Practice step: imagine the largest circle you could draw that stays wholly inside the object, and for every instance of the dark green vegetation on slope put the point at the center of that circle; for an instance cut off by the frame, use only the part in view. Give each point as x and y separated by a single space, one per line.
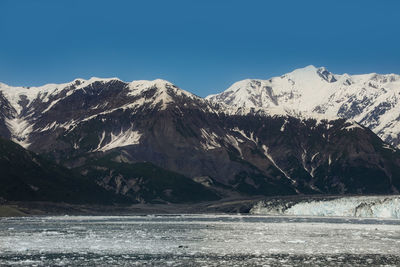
26 176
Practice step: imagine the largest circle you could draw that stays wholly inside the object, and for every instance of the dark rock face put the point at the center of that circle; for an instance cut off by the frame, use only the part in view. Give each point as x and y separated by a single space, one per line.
176 131
6 111
326 75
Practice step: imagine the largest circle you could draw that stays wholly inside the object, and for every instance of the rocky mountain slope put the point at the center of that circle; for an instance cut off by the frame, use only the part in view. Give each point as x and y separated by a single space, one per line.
116 132
145 182
373 100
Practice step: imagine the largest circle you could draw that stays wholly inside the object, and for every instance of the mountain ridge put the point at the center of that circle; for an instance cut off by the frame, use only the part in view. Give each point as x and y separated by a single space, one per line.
243 97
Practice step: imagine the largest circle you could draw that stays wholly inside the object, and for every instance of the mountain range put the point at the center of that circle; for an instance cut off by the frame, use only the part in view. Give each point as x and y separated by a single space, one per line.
306 132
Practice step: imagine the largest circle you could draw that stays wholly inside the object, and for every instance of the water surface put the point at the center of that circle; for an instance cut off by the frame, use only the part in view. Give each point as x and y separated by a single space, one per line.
198 240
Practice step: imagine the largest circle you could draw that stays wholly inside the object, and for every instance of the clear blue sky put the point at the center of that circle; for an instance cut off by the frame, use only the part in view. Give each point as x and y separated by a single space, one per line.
202 46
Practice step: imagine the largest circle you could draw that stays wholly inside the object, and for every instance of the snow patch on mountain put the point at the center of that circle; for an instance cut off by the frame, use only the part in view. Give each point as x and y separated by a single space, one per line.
20 130
249 137
48 127
210 140
234 142
123 138
352 127
268 155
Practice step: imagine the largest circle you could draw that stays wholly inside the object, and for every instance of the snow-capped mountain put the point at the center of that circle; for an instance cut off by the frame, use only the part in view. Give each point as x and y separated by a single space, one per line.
102 127
30 111
373 100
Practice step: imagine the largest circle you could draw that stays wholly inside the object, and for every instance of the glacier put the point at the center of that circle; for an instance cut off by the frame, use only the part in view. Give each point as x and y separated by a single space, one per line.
358 206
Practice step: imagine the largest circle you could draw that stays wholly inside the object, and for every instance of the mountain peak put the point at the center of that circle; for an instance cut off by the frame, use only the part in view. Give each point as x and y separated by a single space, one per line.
309 68
158 91
103 80
159 83
304 70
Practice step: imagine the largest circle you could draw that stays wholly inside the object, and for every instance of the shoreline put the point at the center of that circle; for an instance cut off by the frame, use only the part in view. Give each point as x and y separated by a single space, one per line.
36 208
228 206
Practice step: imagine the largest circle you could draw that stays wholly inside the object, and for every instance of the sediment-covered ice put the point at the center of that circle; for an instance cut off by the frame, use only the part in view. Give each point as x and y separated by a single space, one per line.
365 206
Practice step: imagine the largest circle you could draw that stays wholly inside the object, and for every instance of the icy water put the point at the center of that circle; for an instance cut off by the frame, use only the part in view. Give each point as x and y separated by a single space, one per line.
198 240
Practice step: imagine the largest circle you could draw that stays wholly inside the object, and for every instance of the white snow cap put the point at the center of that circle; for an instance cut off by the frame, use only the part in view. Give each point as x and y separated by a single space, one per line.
371 99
